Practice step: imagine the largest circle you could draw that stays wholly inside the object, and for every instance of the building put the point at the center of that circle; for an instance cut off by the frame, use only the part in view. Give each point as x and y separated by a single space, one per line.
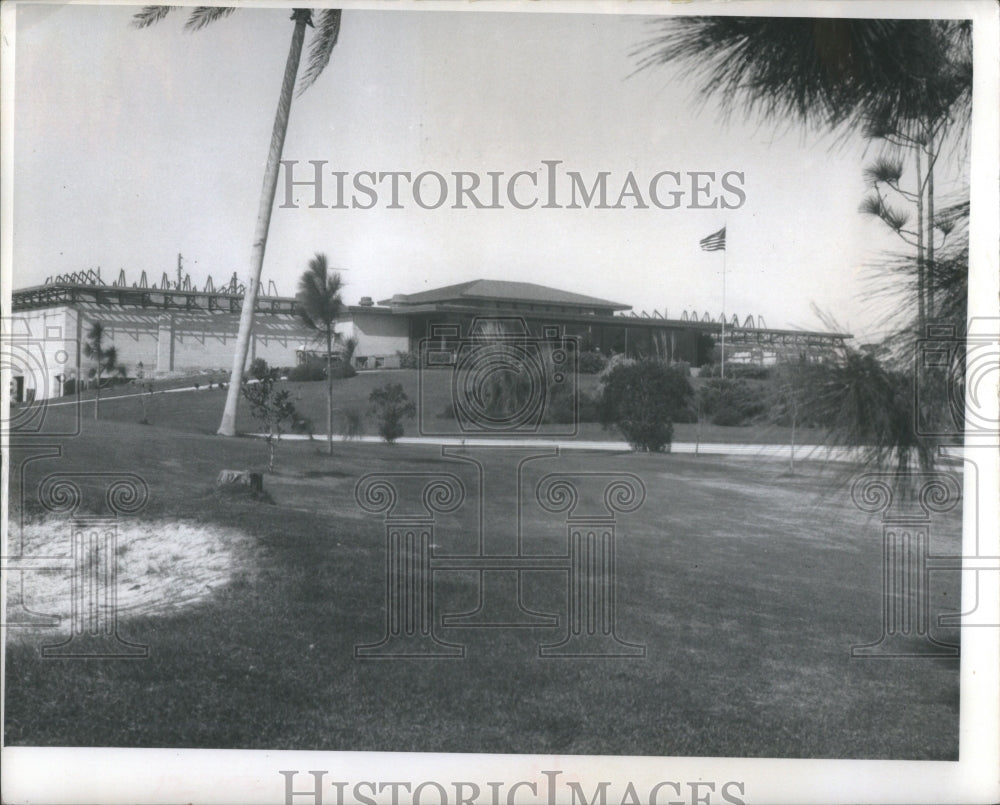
174 327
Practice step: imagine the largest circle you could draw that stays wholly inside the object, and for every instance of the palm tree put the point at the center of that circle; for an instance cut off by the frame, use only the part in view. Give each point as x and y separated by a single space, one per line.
319 306
105 359
327 29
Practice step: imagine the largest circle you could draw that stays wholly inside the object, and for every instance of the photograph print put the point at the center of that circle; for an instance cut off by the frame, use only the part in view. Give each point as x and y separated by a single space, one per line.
515 379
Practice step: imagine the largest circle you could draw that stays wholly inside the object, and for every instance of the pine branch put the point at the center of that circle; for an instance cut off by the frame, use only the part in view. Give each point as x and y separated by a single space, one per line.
884 169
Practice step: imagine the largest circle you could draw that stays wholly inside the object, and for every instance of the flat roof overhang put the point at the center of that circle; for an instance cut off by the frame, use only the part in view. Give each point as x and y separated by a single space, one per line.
653 323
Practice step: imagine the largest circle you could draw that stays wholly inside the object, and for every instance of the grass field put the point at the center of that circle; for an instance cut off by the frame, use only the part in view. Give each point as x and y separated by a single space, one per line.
202 409
747 585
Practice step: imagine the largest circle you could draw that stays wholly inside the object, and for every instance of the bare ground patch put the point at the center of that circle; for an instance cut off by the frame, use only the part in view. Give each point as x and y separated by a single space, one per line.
162 566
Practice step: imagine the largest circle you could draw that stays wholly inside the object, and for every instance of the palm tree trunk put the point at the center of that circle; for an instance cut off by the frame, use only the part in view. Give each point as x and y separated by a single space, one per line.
97 397
228 425
329 392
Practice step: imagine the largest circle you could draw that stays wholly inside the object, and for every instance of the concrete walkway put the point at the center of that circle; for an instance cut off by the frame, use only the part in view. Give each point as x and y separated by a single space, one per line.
782 452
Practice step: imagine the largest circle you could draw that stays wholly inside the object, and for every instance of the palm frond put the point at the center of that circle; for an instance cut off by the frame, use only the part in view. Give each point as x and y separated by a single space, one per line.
323 42
318 294
150 15
206 15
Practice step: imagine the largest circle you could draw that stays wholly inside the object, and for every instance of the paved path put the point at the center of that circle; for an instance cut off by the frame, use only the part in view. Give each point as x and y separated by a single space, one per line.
804 452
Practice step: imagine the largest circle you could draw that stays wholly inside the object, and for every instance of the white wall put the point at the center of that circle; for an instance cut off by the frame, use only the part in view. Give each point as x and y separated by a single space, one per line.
177 340
40 349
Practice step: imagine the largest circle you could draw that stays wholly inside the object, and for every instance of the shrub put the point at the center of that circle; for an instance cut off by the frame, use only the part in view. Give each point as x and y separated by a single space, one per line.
588 408
612 363
408 360
313 370
642 399
302 424
258 369
734 371
731 401
340 370
591 363
561 410
728 417
390 404
69 386
307 372
351 423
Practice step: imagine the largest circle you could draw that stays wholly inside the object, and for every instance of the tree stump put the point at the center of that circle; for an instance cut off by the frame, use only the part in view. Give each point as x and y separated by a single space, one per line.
253 481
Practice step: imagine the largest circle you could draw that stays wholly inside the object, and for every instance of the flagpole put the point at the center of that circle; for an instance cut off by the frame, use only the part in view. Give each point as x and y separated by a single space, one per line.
723 371
712 243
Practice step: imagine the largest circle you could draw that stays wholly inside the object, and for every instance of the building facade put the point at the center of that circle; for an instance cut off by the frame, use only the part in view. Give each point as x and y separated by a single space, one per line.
176 328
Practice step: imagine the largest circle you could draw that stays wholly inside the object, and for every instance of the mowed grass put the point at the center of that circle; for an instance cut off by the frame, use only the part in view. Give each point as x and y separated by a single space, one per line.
747 586
201 410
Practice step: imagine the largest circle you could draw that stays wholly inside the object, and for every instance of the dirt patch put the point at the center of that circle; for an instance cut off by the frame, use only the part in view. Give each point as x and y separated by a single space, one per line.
162 566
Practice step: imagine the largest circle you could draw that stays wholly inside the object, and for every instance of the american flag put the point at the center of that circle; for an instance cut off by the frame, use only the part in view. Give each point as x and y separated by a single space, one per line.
714 242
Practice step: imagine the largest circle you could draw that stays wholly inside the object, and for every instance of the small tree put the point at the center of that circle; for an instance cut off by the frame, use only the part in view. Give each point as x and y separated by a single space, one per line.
789 398
105 358
269 405
319 305
642 400
389 404
145 390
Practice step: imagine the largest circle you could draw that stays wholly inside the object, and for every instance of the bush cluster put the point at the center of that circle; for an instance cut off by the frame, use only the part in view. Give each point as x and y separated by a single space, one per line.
390 405
591 363
643 399
731 401
734 371
307 372
316 370
408 360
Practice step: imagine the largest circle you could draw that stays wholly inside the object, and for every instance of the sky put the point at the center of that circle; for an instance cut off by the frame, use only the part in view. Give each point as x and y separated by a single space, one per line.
132 146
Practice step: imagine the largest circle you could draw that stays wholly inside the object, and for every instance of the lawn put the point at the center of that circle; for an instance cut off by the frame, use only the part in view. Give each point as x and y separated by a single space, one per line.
747 586
200 410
